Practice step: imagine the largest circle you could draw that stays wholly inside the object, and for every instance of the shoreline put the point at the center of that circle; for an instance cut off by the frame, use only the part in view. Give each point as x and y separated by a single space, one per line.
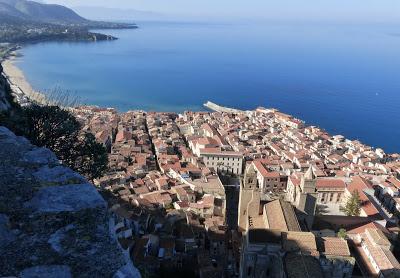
21 88
25 94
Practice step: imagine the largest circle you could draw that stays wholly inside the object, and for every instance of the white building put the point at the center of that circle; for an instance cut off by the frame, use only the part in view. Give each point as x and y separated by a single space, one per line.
226 161
377 251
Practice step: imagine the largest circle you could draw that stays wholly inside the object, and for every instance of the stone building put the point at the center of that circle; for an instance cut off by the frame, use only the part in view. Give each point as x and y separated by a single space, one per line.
270 181
274 253
304 197
249 198
376 252
273 239
330 190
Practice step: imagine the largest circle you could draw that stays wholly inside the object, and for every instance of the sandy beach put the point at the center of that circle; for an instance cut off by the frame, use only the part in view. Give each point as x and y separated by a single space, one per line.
16 76
22 90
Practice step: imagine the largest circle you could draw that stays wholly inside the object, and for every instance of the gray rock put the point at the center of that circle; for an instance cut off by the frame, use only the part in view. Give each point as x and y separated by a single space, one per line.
40 156
66 198
5 133
58 175
6 236
47 271
60 224
127 271
7 137
56 238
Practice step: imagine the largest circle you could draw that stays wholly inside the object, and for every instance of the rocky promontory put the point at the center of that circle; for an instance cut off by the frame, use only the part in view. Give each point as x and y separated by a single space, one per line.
53 223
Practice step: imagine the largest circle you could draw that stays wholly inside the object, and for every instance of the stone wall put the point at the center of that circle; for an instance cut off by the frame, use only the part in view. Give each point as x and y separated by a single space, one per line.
53 223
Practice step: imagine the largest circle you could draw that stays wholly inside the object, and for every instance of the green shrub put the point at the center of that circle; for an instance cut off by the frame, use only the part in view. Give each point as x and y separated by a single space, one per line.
58 130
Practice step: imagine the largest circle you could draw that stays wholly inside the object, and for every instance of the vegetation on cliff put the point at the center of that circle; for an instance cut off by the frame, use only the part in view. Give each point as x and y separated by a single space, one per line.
58 130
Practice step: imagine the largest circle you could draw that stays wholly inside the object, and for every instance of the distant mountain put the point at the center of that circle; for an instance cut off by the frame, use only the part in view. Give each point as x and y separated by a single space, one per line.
8 12
38 12
104 13
23 21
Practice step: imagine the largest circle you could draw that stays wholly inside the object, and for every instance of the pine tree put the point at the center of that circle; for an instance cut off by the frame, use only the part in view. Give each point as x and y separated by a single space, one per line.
353 205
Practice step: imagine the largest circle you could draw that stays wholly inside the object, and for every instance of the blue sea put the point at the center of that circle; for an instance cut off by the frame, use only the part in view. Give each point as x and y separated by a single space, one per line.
344 78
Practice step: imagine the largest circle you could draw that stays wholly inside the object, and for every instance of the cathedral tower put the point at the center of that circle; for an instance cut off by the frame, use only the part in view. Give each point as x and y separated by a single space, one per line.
249 198
306 201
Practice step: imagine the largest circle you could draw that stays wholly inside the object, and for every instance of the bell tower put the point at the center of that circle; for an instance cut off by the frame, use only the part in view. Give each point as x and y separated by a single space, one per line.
306 201
249 197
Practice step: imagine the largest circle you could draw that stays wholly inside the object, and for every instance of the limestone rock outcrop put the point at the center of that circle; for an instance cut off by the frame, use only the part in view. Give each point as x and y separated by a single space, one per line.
53 223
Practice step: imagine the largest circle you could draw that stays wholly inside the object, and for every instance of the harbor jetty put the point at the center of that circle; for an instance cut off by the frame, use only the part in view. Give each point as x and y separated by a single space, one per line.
217 108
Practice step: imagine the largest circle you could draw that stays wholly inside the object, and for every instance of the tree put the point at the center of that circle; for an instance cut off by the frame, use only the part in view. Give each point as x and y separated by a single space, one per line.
53 128
342 233
58 130
353 205
88 156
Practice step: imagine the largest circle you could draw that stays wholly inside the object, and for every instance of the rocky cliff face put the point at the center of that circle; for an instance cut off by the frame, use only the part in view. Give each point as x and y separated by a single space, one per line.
4 90
53 223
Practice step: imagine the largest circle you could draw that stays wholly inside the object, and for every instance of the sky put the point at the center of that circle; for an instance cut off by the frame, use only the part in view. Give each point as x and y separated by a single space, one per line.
347 10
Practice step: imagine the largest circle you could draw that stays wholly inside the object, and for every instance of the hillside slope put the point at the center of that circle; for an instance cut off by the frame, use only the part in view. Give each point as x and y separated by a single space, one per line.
33 11
23 21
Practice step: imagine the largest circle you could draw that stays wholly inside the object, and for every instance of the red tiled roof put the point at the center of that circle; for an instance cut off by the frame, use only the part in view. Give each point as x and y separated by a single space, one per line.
263 171
123 136
330 183
372 225
207 141
394 182
358 183
334 246
218 151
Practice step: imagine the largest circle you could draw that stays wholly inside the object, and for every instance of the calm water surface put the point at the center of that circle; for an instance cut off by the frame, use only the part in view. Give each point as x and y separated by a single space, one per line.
344 78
